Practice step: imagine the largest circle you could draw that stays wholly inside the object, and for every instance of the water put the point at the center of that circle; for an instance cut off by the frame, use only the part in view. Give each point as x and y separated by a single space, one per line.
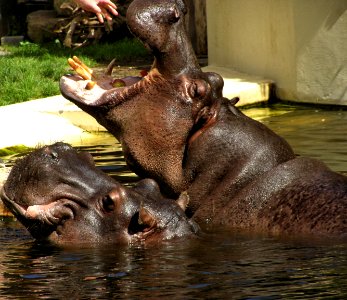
220 265
225 265
316 133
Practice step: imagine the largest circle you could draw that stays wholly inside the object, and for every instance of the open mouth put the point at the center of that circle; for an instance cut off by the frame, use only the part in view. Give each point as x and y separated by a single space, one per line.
93 90
138 230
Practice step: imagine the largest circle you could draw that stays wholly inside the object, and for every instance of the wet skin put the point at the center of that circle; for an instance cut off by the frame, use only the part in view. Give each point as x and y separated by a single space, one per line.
60 196
175 127
170 104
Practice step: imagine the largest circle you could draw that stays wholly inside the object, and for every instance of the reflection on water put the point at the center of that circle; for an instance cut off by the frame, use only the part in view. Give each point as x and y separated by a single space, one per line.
224 265
109 158
221 265
316 133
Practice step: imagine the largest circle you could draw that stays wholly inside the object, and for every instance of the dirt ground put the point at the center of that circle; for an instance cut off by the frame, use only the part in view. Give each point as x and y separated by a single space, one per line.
135 67
124 69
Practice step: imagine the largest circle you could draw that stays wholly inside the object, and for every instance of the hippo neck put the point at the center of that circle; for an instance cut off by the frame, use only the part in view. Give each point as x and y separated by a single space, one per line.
178 59
234 143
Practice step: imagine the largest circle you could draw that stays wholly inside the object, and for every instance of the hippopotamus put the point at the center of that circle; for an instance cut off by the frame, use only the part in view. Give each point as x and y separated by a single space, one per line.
176 93
60 196
177 128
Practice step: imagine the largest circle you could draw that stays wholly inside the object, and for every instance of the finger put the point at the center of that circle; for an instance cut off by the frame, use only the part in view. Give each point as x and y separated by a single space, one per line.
107 3
109 6
100 17
90 84
112 10
106 14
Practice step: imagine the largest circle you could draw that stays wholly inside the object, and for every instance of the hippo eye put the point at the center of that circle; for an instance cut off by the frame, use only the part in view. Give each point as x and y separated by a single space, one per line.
50 153
108 204
54 155
197 90
192 90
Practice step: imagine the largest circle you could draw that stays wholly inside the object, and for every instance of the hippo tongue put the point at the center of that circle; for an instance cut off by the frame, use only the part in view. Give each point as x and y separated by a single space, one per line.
126 81
86 88
107 90
74 89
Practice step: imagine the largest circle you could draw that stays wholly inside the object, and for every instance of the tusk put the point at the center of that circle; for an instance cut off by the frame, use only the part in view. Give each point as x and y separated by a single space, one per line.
110 67
90 84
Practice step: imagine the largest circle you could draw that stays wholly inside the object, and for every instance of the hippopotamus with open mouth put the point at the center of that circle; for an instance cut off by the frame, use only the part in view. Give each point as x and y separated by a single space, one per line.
60 196
153 117
177 128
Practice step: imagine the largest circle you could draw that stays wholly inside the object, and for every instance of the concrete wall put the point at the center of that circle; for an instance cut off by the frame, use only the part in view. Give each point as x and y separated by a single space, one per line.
300 44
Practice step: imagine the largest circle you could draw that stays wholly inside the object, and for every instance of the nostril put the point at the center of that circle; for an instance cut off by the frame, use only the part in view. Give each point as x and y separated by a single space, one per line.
174 15
113 199
116 193
108 204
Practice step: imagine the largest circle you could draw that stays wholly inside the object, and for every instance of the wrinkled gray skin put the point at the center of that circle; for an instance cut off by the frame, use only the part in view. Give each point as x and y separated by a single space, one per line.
169 105
175 127
60 196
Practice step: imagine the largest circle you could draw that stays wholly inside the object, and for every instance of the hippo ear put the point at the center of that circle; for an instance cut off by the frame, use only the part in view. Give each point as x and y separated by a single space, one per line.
234 100
182 5
183 200
146 218
87 157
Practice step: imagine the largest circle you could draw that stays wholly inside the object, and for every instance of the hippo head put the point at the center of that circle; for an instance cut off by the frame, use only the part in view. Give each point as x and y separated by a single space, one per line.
160 26
153 119
156 116
166 219
59 195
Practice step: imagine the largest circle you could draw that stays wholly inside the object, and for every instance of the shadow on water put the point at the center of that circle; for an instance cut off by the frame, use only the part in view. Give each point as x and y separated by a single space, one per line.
220 265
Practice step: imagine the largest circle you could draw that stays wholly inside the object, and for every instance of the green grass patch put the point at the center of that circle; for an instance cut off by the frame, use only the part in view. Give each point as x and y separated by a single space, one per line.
13 150
33 71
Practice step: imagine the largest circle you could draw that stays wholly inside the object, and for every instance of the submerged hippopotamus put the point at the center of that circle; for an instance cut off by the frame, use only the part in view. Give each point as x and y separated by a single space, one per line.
60 196
176 127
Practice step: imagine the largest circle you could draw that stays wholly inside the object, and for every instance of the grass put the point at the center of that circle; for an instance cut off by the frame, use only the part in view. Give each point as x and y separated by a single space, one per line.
13 150
32 71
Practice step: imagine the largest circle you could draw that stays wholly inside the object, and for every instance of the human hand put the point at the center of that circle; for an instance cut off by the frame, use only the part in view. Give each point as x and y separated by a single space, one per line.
102 8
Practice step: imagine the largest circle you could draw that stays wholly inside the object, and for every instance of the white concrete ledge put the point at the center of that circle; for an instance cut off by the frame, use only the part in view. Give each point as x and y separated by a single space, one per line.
249 88
44 121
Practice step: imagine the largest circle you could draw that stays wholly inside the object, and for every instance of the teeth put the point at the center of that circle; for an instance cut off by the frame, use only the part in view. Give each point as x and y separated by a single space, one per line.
79 69
84 71
84 66
90 84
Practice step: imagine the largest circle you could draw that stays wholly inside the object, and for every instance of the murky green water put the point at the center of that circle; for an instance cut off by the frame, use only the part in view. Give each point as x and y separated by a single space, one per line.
222 265
316 133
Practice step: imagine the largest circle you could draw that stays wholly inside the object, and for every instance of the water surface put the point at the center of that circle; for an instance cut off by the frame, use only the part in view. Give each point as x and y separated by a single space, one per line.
220 265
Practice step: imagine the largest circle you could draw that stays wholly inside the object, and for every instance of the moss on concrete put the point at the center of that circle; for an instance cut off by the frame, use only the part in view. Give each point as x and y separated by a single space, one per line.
13 150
